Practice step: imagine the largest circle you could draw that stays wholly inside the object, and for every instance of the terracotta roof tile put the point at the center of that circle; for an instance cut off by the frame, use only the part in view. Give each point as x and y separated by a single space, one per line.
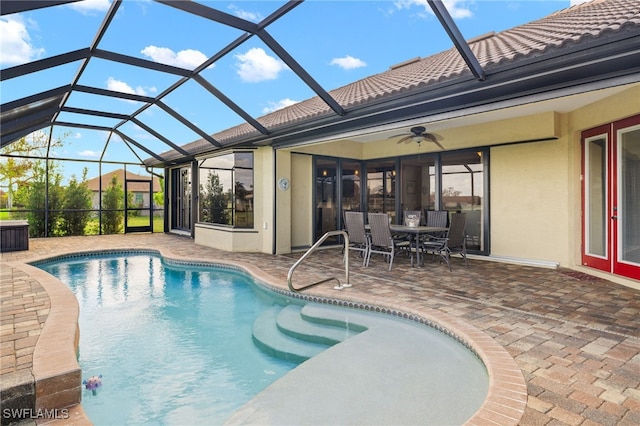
94 183
580 23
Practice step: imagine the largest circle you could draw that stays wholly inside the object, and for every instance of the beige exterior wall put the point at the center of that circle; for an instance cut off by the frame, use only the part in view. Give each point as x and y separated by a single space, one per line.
536 198
535 187
529 201
301 201
283 206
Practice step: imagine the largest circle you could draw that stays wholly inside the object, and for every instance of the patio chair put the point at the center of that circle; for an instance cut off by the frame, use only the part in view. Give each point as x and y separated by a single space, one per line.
358 238
381 240
454 242
437 218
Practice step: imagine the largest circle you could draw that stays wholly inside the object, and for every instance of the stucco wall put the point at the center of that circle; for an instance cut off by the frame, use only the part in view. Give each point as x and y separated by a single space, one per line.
536 204
301 200
622 105
535 187
529 201
283 210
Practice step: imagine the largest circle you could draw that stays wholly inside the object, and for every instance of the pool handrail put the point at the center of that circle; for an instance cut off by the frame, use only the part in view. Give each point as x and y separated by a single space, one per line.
311 249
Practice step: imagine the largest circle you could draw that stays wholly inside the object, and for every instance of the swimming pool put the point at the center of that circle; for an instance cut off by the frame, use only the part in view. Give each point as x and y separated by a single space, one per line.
154 329
173 344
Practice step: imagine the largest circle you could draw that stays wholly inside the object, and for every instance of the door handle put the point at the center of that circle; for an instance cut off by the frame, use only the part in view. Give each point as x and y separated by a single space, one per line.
614 217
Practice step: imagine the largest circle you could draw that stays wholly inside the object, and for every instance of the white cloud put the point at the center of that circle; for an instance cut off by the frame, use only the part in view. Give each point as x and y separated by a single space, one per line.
188 58
274 106
255 66
121 86
575 2
87 7
89 154
245 14
15 42
348 62
456 8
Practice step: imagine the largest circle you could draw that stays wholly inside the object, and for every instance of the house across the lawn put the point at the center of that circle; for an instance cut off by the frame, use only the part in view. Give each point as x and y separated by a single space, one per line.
141 187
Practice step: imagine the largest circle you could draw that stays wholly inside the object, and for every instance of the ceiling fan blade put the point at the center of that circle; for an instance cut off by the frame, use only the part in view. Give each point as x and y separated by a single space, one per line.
433 137
397 136
405 139
438 143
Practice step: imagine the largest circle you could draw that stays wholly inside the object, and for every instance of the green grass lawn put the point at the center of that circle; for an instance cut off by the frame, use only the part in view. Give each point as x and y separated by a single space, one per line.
9 215
158 222
92 225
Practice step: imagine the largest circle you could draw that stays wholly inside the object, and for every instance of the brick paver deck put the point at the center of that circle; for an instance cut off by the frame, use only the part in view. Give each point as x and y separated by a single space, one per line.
575 337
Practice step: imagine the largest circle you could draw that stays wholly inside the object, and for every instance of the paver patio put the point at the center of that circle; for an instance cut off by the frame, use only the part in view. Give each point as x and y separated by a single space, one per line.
575 337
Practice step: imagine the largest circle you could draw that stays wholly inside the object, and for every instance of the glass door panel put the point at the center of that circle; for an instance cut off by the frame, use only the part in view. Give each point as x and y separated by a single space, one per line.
351 186
381 188
181 199
626 203
418 190
463 192
326 199
596 184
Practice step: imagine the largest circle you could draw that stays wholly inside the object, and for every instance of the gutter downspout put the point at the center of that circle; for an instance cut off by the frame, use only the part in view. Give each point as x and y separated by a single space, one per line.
275 193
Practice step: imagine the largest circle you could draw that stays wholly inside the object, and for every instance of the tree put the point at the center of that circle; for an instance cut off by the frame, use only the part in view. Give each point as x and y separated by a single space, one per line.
18 165
43 207
158 197
213 201
112 207
76 207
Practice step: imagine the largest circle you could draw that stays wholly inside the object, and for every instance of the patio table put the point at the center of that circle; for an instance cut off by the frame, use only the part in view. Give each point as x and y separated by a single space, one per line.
417 231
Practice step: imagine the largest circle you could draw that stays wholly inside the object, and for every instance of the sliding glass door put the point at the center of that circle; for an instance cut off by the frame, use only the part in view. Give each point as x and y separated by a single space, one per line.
453 181
326 198
181 199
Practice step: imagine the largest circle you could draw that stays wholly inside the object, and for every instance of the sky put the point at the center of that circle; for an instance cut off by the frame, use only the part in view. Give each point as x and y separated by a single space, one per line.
337 42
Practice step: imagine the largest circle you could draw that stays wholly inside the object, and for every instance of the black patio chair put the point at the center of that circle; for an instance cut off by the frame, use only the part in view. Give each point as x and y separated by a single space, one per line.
454 242
358 239
381 240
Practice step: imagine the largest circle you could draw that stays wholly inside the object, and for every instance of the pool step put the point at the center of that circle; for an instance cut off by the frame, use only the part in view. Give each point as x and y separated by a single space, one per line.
295 333
292 323
272 341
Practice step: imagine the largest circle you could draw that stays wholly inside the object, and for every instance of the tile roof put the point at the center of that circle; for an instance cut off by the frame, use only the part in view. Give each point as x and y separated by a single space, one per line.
94 183
579 24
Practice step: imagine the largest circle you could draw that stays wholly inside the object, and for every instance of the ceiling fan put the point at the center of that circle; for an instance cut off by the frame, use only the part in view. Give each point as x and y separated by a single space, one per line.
419 135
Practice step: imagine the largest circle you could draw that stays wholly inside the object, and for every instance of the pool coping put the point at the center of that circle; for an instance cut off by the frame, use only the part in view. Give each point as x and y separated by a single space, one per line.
504 405
55 374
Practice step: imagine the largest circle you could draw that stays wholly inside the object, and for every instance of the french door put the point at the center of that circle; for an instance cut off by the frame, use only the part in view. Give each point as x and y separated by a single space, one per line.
611 197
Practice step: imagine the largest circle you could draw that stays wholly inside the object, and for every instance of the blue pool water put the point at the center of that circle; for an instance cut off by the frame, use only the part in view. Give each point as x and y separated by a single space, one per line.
173 345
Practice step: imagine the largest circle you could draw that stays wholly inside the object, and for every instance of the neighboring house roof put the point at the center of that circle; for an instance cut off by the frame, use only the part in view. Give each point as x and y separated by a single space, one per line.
602 25
94 184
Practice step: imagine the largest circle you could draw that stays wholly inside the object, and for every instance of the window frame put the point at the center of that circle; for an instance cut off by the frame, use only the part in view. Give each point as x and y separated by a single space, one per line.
230 190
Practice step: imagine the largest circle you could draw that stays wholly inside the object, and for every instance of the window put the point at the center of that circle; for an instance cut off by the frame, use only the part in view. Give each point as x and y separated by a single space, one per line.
226 190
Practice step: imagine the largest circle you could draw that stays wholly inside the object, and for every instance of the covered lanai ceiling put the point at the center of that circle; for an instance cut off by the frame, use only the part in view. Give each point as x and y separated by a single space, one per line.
81 102
570 53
